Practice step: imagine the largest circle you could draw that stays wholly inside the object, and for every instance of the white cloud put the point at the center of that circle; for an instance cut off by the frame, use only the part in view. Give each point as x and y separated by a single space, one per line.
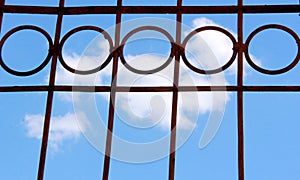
138 105
94 56
62 128
85 63
146 109
220 45
140 108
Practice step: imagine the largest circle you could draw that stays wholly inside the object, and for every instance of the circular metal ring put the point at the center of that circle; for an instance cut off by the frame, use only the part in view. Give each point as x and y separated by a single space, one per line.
210 71
35 70
277 71
82 28
144 28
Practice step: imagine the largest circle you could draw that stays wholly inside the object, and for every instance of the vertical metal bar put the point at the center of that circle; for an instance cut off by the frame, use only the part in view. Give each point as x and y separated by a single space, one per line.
240 93
175 95
1 15
299 6
172 156
45 138
110 123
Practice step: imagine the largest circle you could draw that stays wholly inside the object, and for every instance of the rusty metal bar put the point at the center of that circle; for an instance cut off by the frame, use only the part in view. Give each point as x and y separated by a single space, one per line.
70 89
175 94
112 96
2 2
240 48
152 9
240 100
46 128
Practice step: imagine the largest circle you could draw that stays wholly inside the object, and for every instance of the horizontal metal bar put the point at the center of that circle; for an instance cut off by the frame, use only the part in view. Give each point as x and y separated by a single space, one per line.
24 88
151 9
30 9
55 88
149 89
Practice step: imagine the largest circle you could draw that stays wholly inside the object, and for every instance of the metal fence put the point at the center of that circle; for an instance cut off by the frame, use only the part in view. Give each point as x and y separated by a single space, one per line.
240 48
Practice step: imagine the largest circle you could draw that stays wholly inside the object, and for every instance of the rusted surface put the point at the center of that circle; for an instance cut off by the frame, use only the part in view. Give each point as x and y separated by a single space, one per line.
111 113
240 92
152 9
43 153
147 89
177 51
173 130
41 66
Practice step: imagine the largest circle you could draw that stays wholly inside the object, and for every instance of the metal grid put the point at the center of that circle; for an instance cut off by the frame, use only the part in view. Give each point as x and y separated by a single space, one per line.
240 48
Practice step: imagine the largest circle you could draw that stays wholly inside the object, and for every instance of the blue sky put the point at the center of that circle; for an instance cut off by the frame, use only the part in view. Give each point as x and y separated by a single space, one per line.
271 123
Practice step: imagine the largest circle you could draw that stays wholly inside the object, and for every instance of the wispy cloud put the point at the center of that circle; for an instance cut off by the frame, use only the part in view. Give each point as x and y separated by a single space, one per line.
219 43
145 109
62 128
96 54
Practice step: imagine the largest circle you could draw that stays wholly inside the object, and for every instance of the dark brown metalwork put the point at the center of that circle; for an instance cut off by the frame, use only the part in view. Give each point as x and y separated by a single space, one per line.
177 52
37 69
240 100
78 29
111 112
50 94
278 71
210 71
153 9
173 130
153 28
